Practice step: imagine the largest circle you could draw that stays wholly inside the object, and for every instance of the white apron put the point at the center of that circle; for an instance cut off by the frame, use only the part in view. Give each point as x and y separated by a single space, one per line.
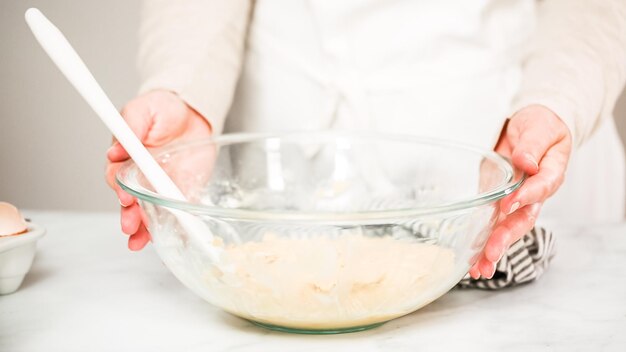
445 69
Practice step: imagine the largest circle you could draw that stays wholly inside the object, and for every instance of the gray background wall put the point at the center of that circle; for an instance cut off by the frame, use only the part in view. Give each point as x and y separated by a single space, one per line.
52 146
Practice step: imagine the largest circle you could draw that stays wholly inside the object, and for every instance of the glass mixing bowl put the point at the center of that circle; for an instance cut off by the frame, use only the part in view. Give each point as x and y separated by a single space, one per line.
323 232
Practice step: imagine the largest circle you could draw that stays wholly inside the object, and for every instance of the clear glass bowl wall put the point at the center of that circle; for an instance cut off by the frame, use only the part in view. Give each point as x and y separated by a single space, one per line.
325 232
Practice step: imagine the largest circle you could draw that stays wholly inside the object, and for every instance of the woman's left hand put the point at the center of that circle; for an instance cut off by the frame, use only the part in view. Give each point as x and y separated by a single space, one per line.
540 144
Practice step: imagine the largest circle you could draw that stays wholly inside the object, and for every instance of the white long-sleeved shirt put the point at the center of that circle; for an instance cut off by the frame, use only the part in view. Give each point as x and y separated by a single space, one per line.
575 63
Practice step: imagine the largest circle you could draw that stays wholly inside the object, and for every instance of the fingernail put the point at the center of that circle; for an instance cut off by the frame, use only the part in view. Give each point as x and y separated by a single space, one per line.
493 271
532 160
492 254
122 204
514 207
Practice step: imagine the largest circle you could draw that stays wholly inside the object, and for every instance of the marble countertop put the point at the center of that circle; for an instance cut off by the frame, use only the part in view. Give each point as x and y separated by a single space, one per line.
86 292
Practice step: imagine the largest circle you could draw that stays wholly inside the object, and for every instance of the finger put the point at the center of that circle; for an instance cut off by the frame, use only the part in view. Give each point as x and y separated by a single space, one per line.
117 153
525 160
483 267
139 240
536 189
512 228
533 142
475 272
138 117
130 219
109 174
503 146
539 187
486 268
125 199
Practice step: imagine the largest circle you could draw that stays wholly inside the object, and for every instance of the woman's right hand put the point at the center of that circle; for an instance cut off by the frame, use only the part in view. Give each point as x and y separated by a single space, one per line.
157 118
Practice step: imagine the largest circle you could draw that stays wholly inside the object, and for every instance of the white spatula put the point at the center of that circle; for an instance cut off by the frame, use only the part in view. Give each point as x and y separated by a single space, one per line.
74 69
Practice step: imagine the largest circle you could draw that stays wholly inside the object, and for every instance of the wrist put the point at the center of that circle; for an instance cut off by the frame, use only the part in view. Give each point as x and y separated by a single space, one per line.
538 113
197 121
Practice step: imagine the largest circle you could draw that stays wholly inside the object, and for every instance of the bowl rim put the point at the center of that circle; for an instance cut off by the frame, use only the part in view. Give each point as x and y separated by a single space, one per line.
33 233
512 181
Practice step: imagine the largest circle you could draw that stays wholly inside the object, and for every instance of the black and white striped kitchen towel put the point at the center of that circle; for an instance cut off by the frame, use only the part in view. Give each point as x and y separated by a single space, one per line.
525 261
